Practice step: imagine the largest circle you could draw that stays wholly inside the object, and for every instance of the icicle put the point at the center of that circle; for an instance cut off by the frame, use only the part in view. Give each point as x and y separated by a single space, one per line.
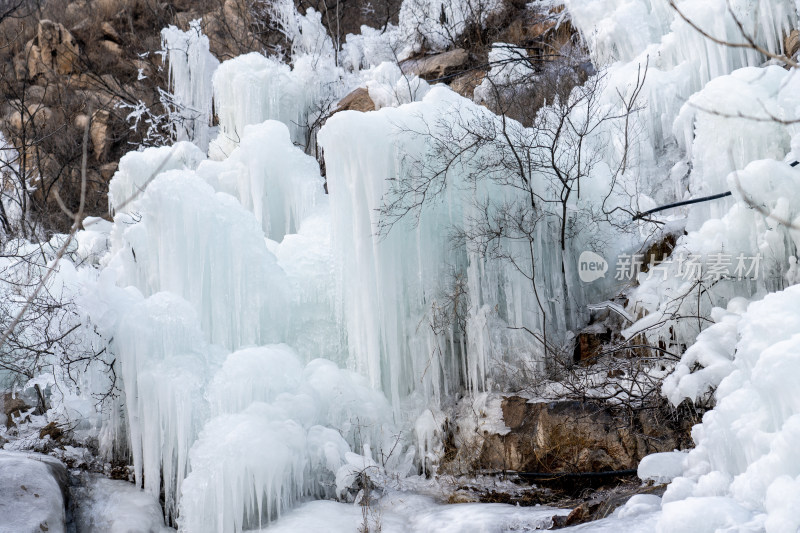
191 67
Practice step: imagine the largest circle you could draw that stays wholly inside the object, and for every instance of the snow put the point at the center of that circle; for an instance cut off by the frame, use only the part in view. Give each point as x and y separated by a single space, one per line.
111 506
251 88
744 467
154 252
270 177
661 467
308 426
32 493
398 512
435 24
137 169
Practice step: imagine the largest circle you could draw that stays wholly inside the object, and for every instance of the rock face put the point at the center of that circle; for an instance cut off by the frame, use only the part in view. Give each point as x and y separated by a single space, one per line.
53 50
33 490
435 66
570 436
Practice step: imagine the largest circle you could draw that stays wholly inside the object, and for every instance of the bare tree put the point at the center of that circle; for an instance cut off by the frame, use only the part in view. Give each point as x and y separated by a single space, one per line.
536 174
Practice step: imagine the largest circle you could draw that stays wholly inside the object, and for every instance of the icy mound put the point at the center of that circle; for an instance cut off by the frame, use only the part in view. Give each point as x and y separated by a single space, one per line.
746 466
271 177
290 432
137 169
708 113
164 364
627 35
250 89
186 239
110 506
33 493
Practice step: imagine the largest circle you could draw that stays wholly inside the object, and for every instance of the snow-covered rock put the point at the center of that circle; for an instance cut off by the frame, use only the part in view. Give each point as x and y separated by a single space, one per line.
32 493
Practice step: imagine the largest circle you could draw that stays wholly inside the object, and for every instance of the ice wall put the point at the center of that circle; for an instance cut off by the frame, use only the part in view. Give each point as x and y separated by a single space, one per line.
205 247
708 113
235 291
192 296
191 67
164 365
622 35
250 89
406 270
731 145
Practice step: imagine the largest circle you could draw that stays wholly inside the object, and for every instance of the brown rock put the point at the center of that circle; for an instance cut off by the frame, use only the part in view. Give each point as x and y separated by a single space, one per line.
98 132
13 407
582 513
81 121
571 436
55 50
52 430
435 66
465 83
107 171
34 116
76 10
35 93
358 100
109 32
40 115
144 67
590 343
792 43
111 47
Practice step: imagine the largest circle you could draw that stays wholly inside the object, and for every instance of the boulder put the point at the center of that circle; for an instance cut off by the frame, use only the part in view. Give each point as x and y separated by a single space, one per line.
358 100
572 436
590 343
465 84
435 66
80 121
33 489
107 171
51 430
53 50
109 32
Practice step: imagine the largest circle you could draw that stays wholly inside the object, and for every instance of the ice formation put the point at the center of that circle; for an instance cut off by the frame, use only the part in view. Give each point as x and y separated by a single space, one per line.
206 292
191 67
436 24
745 463
699 126
742 475
273 342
